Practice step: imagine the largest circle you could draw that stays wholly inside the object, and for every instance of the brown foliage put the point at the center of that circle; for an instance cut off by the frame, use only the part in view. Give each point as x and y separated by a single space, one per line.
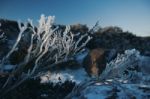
95 62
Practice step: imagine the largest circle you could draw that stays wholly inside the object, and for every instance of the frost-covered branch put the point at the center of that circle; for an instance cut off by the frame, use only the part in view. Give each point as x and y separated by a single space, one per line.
130 67
118 66
22 29
1 35
48 44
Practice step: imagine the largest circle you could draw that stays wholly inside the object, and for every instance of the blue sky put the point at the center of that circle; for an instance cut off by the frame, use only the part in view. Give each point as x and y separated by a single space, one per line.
131 15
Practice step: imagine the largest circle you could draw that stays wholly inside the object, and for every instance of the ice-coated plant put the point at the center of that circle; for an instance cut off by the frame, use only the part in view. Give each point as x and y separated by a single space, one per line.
3 38
129 67
125 73
48 46
117 67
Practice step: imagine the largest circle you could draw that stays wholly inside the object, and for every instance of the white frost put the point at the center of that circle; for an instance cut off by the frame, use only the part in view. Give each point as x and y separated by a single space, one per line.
77 76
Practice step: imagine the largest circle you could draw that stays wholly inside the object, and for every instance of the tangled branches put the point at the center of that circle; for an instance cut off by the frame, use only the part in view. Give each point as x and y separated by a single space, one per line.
49 45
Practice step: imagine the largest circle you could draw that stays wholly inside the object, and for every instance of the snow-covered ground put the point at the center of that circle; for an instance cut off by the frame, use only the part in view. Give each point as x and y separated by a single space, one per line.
115 68
134 85
111 90
77 76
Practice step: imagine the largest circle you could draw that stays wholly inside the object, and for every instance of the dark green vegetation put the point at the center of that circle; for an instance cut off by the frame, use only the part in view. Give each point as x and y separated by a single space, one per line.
33 89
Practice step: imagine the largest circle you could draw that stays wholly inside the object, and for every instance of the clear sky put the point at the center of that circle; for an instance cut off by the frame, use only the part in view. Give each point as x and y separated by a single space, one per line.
131 15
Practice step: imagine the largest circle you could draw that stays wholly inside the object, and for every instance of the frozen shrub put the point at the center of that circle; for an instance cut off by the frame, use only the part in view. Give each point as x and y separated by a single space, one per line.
121 64
130 66
48 46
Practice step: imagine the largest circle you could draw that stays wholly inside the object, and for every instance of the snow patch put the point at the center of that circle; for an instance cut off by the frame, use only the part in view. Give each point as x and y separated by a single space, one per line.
115 90
8 67
77 76
80 56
